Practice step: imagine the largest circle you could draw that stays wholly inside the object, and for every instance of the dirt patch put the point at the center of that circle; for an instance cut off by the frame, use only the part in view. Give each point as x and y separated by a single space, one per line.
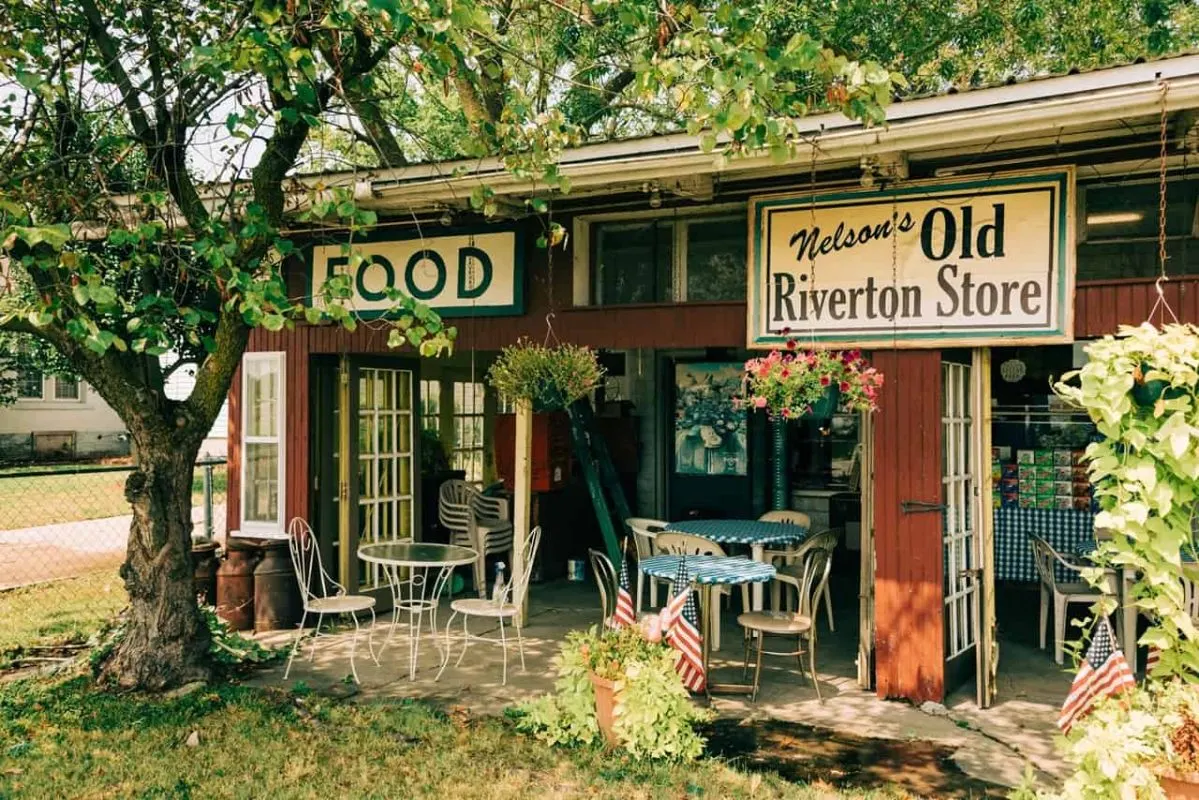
805 754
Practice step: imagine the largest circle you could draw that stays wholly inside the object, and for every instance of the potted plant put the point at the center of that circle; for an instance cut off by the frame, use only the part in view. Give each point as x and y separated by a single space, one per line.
551 378
790 383
620 686
1141 389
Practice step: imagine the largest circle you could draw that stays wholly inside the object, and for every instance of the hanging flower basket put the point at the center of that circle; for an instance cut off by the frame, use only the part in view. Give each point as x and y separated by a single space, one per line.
790 383
551 378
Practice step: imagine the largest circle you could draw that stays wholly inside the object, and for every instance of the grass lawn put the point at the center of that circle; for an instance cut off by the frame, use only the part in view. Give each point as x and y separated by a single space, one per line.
59 612
65 739
43 497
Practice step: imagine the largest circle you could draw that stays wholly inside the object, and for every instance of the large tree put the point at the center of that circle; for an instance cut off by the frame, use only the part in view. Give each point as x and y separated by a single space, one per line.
147 160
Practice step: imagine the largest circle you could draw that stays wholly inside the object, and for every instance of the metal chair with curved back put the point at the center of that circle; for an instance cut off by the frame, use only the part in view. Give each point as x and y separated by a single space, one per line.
645 532
606 580
792 565
508 608
686 544
813 577
322 595
475 521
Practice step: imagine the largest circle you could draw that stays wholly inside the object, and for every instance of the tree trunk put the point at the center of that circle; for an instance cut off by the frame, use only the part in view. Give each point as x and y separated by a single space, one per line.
165 642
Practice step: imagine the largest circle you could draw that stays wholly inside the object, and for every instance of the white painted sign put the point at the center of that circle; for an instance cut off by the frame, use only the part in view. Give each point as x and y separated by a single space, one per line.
460 274
961 263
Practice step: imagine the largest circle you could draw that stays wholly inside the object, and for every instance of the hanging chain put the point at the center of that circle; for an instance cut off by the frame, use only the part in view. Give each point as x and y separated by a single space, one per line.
550 334
1160 306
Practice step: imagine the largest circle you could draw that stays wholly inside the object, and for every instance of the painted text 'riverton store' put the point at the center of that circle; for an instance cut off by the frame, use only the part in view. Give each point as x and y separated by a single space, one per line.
970 247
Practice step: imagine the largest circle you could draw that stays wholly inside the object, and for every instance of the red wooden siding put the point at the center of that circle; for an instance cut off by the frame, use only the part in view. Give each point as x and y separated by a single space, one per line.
908 594
1100 307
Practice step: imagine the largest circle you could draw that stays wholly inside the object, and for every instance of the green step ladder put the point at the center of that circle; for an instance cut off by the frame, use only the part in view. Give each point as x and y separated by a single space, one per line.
603 483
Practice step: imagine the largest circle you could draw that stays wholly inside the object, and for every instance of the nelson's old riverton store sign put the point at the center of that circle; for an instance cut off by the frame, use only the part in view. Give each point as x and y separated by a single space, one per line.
959 263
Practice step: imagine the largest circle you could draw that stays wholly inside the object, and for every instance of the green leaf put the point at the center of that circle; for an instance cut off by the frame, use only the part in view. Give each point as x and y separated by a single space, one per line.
80 293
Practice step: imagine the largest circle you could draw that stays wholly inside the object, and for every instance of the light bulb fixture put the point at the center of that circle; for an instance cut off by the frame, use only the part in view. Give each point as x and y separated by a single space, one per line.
1114 217
1012 370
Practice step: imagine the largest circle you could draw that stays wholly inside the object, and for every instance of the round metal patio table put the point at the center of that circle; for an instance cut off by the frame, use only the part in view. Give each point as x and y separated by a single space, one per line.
418 573
755 533
705 573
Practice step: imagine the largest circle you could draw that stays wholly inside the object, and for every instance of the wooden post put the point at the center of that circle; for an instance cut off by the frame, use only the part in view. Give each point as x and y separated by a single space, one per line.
522 492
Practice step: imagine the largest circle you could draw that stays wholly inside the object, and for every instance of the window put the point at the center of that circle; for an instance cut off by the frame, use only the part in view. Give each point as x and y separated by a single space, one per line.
430 405
65 388
669 259
30 385
262 444
466 452
1118 232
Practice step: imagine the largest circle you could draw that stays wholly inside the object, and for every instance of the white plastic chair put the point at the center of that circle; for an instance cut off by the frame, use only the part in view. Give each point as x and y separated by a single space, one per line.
474 521
684 544
508 608
607 581
1063 592
322 595
645 531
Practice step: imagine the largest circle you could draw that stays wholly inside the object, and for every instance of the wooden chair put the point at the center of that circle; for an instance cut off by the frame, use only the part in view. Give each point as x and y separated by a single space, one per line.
684 544
811 582
322 595
645 531
1064 593
607 581
475 521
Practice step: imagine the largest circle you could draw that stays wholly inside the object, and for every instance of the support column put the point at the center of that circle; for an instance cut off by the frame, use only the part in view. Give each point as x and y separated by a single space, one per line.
522 491
780 486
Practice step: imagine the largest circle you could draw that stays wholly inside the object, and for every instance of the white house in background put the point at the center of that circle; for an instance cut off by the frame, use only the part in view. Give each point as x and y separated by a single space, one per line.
59 418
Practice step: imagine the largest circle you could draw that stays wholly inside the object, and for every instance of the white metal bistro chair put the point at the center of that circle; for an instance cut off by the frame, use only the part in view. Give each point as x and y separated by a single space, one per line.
1063 592
323 596
811 580
645 531
475 521
685 544
508 608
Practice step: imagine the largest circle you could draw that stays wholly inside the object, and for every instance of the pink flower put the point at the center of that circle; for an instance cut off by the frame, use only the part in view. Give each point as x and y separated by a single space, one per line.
651 628
790 344
759 402
786 413
786 373
844 386
825 380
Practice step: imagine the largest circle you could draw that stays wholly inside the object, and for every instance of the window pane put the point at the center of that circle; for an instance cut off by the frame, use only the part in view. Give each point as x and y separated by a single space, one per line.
29 384
633 262
262 393
66 389
1129 210
716 259
262 482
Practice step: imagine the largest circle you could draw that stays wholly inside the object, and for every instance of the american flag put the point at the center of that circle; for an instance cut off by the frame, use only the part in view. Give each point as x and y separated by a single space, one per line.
1104 673
624 614
682 631
1151 661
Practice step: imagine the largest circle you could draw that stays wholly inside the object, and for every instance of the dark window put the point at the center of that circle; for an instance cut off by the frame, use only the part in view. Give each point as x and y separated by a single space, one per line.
1121 227
668 260
30 385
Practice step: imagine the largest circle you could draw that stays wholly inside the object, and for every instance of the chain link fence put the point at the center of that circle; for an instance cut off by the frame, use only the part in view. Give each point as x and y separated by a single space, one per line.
63 532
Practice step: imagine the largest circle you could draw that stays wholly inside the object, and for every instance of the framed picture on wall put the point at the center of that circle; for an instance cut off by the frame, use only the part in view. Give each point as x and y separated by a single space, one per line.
709 431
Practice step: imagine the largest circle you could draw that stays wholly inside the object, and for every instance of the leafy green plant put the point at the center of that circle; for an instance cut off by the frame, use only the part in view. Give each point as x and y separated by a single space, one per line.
1141 389
790 384
550 377
654 717
433 455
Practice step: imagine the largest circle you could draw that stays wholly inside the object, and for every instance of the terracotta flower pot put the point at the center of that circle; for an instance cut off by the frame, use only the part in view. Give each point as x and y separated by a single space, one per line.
1178 786
605 704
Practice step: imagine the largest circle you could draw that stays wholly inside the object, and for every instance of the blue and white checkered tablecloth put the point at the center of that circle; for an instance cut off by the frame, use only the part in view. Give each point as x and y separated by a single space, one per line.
1066 530
741 531
710 569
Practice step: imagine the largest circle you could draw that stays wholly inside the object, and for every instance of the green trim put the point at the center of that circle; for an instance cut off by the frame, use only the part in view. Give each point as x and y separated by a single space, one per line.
1058 180
515 308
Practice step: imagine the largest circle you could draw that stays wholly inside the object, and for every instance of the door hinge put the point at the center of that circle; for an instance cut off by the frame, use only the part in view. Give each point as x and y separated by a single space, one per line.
343 491
921 507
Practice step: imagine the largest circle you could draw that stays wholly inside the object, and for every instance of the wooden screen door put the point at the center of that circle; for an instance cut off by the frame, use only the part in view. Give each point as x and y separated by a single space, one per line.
383 461
987 651
959 520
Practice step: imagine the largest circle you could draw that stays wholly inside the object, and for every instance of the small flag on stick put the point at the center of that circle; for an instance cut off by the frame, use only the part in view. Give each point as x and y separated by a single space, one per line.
624 615
1104 673
682 631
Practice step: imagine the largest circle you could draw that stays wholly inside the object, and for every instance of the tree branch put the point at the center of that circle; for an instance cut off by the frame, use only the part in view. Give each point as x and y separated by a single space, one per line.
112 65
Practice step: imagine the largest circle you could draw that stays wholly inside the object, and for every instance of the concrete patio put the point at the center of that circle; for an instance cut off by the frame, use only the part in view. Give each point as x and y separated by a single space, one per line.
996 744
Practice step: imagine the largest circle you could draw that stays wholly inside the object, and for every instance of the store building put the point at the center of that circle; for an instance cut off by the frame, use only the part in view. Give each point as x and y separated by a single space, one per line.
970 247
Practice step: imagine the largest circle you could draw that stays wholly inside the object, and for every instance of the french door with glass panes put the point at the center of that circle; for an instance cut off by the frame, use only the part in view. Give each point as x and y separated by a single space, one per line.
383 483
